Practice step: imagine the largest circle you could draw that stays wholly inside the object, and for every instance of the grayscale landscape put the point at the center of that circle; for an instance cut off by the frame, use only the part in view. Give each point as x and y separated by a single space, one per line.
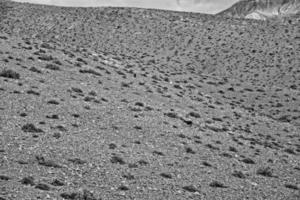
109 103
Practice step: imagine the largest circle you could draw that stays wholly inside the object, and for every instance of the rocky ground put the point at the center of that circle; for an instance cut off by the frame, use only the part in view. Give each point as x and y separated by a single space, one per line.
124 103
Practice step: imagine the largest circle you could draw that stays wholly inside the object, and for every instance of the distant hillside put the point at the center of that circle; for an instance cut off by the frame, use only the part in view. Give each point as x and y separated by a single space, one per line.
253 52
263 9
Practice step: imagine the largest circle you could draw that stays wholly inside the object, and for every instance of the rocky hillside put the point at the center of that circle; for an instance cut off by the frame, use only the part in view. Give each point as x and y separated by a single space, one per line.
126 103
263 9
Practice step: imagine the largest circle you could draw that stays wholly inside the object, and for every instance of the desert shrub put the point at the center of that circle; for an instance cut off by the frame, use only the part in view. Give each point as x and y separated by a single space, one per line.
190 188
52 67
117 159
46 46
30 128
217 184
77 90
81 60
92 93
56 61
265 171
34 69
33 92
45 57
194 114
89 71
291 186
54 102
8 73
238 174
28 181
248 161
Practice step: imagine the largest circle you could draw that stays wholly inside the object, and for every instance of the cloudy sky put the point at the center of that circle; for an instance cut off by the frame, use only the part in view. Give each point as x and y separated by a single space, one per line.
203 6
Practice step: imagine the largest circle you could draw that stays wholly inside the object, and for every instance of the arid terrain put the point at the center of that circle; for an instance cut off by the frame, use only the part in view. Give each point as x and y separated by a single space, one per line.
128 103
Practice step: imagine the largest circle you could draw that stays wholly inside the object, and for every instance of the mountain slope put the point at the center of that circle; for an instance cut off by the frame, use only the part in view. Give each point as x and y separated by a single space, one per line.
126 103
263 9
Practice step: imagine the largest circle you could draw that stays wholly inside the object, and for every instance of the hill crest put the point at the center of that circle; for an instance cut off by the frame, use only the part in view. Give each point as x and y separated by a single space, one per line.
262 9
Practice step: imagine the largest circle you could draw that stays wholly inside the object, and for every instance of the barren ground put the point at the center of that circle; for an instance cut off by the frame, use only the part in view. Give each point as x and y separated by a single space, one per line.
125 103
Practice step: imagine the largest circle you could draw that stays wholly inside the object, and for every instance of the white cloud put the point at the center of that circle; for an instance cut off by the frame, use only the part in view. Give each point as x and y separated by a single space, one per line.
204 6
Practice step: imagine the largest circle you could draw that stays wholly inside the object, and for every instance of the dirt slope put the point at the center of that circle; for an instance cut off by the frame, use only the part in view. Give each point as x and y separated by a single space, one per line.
122 103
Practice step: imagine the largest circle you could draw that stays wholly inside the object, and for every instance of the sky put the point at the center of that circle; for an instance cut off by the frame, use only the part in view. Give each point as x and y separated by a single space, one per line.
202 6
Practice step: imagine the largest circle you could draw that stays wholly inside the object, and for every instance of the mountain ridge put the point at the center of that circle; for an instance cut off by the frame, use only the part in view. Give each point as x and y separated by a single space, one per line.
262 9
